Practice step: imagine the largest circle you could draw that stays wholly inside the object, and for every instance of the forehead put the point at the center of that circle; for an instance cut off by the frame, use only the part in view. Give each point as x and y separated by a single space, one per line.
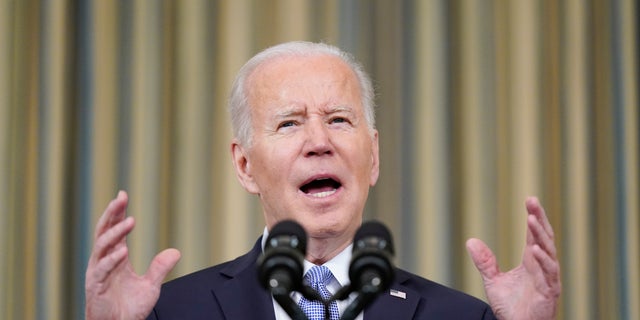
308 77
299 62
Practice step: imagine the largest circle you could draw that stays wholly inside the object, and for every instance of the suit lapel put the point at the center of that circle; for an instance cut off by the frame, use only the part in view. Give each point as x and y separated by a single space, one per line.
242 296
400 302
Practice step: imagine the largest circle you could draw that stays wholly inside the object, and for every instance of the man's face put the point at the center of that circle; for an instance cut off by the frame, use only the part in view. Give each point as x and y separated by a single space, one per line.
313 156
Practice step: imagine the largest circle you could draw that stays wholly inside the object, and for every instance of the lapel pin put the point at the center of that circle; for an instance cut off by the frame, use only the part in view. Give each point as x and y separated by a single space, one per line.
398 294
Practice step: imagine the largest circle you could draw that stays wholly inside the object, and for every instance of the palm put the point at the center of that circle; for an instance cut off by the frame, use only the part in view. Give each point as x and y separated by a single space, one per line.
509 295
124 296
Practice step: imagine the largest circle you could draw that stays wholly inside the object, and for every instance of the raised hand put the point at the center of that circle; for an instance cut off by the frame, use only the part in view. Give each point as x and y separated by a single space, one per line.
113 290
531 290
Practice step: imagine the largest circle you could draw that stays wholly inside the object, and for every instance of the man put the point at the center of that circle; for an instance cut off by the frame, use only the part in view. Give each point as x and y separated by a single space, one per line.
305 143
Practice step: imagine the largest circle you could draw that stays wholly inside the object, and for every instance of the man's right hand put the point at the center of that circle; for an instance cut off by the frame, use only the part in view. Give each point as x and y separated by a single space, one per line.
113 290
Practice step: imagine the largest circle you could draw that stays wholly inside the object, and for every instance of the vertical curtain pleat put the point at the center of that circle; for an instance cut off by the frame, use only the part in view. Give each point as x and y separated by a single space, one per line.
6 215
551 108
523 100
386 69
105 121
578 289
430 125
290 20
627 64
233 51
54 150
480 104
603 153
24 88
504 214
193 135
166 201
473 131
146 119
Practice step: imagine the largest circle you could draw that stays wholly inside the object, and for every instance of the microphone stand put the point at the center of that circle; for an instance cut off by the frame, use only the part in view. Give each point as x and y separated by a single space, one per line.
290 307
364 297
358 304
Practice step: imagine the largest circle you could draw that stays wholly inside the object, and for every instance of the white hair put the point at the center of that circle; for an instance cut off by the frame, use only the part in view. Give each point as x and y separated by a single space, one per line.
239 108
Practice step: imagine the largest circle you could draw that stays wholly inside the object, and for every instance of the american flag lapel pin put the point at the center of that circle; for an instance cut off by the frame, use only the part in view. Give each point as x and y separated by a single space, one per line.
399 294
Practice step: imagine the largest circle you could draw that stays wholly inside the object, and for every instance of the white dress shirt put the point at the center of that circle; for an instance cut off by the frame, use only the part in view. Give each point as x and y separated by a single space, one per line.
339 266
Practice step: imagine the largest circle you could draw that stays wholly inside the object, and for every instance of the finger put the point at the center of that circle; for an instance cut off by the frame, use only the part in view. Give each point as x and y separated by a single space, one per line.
118 209
484 260
113 214
539 236
110 239
539 230
161 264
550 271
107 264
535 208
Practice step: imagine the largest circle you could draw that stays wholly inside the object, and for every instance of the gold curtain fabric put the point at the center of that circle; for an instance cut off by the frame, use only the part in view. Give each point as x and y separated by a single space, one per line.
480 103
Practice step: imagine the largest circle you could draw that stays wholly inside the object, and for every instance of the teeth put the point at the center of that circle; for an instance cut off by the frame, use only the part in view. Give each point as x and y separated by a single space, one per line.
323 194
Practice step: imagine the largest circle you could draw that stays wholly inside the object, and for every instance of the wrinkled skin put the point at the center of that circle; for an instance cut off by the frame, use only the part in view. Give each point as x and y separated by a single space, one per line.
113 289
531 290
309 125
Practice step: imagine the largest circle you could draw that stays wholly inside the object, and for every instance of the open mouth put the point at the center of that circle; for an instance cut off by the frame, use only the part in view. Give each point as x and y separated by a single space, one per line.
321 188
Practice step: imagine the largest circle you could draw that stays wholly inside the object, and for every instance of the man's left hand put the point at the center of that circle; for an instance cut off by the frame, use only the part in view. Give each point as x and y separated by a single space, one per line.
531 290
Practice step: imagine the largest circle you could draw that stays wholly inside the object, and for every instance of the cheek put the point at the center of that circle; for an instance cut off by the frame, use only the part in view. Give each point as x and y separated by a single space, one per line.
270 165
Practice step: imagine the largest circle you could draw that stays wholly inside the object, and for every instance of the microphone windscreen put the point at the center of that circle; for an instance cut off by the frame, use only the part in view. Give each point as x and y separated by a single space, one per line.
374 229
280 267
291 230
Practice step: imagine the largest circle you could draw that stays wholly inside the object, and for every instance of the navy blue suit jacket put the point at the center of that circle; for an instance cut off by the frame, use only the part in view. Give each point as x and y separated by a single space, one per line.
231 291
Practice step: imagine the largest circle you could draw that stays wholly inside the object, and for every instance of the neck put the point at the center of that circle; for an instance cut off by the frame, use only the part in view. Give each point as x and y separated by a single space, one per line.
321 250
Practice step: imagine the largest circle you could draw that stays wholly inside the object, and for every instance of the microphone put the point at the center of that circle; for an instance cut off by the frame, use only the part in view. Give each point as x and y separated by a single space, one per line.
370 271
280 267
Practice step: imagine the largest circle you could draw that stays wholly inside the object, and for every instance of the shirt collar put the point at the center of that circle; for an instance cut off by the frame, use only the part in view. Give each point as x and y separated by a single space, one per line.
339 265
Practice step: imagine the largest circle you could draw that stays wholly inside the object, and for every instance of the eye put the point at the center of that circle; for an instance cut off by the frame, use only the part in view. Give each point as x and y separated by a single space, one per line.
339 120
286 124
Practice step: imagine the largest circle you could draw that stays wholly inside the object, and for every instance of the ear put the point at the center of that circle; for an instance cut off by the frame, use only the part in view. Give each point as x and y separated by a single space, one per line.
243 167
375 158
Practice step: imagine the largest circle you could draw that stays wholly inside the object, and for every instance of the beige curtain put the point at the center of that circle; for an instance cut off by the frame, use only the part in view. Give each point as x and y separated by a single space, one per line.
481 103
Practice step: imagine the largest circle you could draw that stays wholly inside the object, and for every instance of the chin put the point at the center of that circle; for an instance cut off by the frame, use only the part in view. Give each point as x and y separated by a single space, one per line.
325 229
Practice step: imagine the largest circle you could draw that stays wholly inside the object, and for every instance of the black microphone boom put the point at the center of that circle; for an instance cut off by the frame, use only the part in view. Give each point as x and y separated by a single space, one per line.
280 267
371 271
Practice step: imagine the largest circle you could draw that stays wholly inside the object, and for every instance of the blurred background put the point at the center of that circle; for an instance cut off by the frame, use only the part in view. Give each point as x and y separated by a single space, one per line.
480 104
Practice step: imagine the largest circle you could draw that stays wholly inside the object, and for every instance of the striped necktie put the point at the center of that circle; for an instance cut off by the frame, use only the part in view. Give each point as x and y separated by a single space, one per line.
318 277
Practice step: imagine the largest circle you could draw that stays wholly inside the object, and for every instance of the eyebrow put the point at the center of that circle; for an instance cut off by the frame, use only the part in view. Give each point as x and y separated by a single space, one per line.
286 112
349 111
289 111
338 109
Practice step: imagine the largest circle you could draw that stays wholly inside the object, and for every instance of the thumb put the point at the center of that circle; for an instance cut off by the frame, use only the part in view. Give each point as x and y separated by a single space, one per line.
483 258
161 264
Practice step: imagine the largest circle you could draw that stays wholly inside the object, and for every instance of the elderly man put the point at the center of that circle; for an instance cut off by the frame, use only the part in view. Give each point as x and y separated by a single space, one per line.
305 143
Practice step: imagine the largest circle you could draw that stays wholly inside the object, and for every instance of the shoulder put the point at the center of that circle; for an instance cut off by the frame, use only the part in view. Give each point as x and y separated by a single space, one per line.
194 294
439 301
432 289
209 277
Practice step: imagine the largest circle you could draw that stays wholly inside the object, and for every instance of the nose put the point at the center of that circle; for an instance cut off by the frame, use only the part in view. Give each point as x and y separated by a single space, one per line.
318 139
